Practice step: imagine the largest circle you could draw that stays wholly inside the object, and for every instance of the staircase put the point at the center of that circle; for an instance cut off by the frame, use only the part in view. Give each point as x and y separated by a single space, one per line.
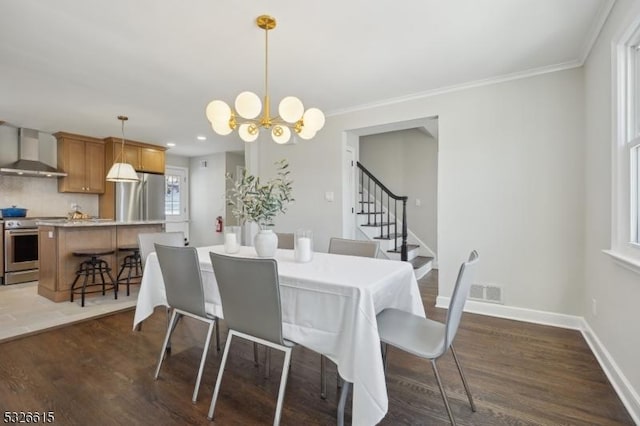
382 216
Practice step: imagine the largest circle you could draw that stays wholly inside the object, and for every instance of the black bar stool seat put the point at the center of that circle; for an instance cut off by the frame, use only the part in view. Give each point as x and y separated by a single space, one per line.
132 263
93 266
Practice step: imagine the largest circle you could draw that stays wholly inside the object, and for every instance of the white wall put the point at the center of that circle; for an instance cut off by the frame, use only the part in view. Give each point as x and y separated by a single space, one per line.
315 170
615 289
406 162
206 198
510 177
176 160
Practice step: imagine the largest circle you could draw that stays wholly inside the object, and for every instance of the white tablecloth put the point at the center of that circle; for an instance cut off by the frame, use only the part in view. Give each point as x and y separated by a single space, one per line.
329 305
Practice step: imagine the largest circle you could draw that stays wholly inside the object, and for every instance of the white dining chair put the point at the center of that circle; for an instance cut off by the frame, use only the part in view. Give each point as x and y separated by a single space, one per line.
430 339
250 295
185 294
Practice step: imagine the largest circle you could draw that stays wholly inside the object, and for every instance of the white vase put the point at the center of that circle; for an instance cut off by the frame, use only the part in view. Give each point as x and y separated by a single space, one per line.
266 243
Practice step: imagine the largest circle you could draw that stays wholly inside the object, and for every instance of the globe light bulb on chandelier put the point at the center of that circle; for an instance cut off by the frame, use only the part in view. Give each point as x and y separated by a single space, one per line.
245 116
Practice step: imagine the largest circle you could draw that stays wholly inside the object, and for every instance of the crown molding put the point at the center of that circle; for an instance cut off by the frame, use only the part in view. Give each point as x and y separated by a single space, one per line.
590 40
458 87
596 28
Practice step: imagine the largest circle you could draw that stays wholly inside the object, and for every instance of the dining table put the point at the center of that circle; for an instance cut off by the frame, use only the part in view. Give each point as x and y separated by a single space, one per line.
329 305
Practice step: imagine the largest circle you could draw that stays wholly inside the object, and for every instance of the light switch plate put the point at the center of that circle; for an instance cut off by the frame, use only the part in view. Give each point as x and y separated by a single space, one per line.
328 196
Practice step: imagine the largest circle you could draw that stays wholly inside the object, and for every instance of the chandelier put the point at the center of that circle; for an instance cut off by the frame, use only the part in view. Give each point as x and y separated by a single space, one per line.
246 115
123 171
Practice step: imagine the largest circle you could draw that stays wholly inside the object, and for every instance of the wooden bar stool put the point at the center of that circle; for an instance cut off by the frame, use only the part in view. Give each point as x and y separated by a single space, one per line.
93 266
132 263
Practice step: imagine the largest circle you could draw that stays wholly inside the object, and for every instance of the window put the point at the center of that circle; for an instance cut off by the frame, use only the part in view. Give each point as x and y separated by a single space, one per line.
172 197
631 131
635 193
632 139
625 244
175 194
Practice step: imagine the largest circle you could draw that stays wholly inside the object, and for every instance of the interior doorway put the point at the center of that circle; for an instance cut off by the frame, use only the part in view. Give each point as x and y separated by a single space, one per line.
404 156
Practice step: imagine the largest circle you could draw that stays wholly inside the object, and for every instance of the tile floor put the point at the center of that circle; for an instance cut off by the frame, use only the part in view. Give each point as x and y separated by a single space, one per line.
23 311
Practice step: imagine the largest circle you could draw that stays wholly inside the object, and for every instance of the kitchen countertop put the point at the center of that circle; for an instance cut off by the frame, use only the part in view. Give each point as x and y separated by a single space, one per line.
59 238
95 222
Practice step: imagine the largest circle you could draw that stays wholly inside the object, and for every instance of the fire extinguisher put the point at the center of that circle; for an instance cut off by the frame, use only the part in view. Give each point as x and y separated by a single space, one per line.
219 224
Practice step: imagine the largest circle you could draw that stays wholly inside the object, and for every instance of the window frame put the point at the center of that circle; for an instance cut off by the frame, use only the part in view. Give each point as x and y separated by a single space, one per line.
174 200
625 223
183 174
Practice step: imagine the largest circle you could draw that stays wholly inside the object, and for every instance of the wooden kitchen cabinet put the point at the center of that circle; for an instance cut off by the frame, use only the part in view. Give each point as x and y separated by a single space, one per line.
56 244
143 157
151 160
83 159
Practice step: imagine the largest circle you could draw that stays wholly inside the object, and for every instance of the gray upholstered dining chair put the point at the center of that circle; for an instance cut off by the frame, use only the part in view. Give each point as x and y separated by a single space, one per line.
250 294
285 240
353 247
146 241
430 339
347 247
185 294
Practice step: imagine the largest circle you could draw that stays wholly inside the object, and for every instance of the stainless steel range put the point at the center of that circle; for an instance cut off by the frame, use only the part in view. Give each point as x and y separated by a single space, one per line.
21 249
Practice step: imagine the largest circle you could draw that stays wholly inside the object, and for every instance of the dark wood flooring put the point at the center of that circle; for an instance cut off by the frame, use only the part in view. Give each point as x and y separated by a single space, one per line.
100 372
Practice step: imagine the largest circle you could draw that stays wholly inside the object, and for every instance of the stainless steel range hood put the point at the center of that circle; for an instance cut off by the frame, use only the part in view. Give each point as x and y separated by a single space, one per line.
29 163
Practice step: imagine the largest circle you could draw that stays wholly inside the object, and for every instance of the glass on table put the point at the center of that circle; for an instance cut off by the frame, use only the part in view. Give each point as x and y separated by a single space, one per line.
303 245
231 239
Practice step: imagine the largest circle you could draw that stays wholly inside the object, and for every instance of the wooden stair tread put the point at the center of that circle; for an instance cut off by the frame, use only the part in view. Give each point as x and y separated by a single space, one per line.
388 236
370 213
419 261
409 248
377 224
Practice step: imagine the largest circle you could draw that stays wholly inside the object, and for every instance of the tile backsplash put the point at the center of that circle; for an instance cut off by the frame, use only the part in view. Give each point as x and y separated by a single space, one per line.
41 197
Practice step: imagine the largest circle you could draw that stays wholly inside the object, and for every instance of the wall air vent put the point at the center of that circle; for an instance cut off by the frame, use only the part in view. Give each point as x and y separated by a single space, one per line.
486 293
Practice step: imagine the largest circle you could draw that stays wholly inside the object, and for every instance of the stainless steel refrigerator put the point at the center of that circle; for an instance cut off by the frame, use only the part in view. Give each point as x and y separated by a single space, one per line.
143 200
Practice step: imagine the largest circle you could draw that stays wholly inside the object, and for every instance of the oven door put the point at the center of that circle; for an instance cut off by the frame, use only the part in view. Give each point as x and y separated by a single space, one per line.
20 249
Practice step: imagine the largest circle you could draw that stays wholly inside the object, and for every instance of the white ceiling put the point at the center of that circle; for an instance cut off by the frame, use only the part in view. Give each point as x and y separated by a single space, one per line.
74 65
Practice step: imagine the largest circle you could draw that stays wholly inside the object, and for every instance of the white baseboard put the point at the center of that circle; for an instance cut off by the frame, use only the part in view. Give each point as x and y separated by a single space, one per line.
623 388
625 391
518 314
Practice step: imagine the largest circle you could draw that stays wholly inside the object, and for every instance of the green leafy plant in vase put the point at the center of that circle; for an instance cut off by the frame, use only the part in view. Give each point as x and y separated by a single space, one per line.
254 201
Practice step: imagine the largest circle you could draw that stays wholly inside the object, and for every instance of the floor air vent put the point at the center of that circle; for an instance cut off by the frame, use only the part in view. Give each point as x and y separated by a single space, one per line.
486 293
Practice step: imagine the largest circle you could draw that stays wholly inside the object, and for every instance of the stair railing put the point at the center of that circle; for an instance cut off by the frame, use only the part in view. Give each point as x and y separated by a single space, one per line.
372 193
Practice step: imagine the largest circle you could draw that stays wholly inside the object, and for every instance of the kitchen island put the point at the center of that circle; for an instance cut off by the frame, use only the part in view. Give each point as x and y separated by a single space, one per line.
58 239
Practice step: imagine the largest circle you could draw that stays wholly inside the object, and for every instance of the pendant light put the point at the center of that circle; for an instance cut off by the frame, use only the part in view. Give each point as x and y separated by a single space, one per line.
122 172
291 119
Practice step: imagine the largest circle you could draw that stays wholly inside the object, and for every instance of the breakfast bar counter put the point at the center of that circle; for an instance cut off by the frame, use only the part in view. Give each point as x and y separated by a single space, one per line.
64 223
58 239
